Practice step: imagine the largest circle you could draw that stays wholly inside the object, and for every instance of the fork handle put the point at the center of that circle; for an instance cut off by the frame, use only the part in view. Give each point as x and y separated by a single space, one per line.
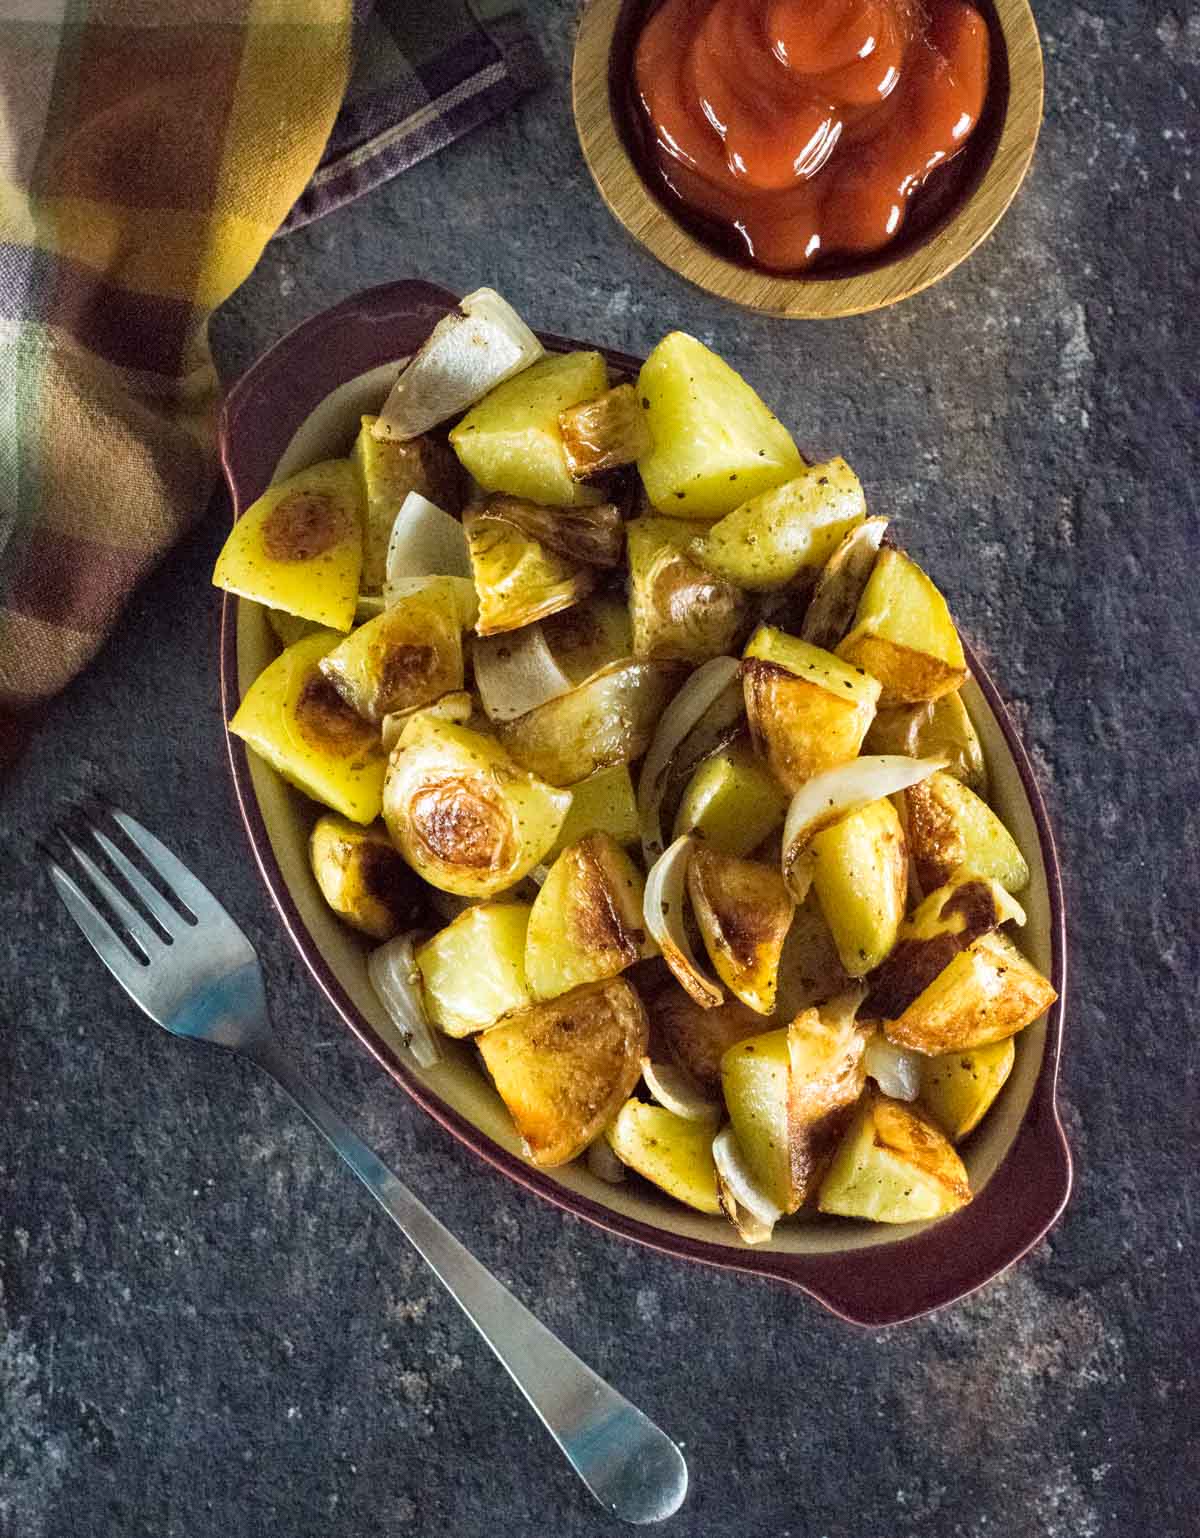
632 1468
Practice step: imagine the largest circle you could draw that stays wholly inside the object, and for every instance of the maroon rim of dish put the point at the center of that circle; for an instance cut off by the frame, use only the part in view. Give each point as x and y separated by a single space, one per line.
876 1285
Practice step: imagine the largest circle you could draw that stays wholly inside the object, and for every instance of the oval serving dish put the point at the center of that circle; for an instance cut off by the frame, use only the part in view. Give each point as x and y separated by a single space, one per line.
300 403
605 121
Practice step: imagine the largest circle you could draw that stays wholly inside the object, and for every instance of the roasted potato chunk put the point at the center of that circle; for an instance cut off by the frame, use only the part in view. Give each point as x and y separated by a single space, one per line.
769 540
565 1068
810 969
754 1077
825 1081
958 1089
363 878
808 710
462 813
299 547
603 803
516 578
951 829
743 912
296 720
940 726
671 1152
893 1166
988 992
903 634
607 721
512 442
698 1038
409 656
387 471
680 611
590 636
714 442
605 433
732 801
861 882
587 920
473 971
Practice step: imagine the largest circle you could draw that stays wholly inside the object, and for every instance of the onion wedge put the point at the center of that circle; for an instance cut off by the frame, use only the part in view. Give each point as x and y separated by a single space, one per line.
603 1163
397 984
516 671
663 910
896 1070
677 1091
426 542
836 793
455 706
689 707
745 1204
840 585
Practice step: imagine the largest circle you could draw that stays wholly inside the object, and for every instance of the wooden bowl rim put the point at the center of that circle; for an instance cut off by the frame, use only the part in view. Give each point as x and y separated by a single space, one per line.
632 203
874 1286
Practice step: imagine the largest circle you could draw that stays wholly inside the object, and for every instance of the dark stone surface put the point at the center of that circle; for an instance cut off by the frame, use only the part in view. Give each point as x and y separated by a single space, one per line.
206 1331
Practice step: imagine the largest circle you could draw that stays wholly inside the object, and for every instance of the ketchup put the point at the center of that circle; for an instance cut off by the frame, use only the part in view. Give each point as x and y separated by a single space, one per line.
804 127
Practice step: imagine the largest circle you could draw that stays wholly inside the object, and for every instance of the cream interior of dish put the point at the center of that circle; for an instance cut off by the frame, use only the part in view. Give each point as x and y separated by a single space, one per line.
459 1081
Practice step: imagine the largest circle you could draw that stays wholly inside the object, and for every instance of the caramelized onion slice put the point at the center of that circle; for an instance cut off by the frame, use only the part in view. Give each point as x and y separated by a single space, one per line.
397 983
896 1070
677 1091
663 911
426 542
840 585
748 1207
516 671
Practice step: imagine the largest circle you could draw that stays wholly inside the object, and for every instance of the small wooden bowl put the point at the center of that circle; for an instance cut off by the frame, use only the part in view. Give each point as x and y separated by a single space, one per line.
600 76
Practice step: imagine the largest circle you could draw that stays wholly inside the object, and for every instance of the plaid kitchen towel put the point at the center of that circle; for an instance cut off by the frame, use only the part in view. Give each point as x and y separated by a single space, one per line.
148 151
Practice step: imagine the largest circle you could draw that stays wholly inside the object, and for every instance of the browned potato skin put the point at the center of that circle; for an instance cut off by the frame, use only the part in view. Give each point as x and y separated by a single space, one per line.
594 534
698 1038
426 465
993 992
820 1105
933 727
363 877
910 1131
968 910
744 912
565 1068
799 727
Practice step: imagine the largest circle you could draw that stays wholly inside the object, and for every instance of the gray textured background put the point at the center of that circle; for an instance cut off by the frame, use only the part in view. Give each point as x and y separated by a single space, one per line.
206 1332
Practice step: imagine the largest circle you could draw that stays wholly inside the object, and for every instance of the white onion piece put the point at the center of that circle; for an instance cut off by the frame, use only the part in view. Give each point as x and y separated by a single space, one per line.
516 671
751 1230
455 706
841 583
686 710
896 1070
679 1093
739 1182
426 542
397 982
836 793
603 1163
663 910
1008 909
468 353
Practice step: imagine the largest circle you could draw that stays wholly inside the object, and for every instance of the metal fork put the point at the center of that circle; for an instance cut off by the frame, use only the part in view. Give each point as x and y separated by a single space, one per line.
198 976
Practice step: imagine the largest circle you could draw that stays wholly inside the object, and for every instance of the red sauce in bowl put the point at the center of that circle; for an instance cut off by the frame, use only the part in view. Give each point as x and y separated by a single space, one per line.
803 128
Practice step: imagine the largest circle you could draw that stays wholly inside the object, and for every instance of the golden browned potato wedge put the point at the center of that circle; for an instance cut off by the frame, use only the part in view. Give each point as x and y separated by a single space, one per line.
933 728
511 440
517 579
988 992
473 971
714 442
743 911
609 720
565 1068
295 719
462 813
861 881
754 1078
951 829
903 634
673 1153
732 801
679 610
893 1166
409 656
945 923
363 878
810 969
299 547
387 471
958 1089
698 1038
593 534
808 710
587 919
603 803
825 1080
604 433
769 540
